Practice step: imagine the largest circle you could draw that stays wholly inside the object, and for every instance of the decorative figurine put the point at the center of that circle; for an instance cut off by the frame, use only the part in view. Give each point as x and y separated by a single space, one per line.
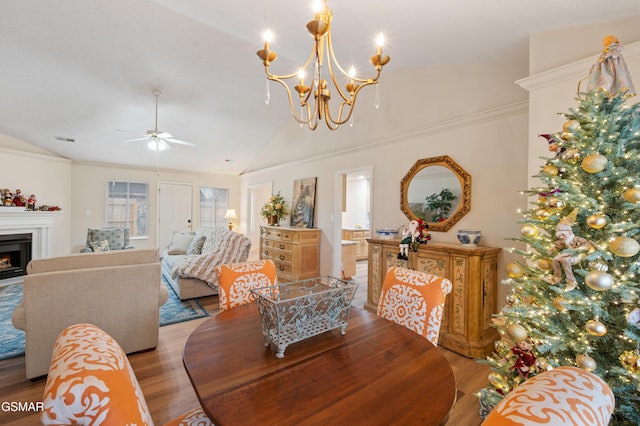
18 199
7 197
409 236
571 249
31 202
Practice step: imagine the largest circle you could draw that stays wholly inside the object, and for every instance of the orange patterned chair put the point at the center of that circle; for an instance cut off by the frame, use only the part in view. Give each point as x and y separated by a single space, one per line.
236 280
91 382
414 300
562 396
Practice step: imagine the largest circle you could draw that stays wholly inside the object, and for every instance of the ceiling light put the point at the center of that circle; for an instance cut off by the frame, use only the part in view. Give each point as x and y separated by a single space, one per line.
313 110
157 145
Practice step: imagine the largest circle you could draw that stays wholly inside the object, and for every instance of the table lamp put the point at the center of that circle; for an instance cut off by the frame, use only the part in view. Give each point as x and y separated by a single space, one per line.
230 214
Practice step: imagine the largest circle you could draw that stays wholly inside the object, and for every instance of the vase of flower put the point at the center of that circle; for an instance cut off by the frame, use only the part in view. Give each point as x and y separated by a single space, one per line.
275 209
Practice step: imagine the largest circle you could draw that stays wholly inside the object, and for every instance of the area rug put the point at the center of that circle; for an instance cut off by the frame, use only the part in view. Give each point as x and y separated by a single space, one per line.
12 339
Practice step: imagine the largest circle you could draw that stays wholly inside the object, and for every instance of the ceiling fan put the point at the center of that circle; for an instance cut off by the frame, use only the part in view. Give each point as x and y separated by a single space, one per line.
158 140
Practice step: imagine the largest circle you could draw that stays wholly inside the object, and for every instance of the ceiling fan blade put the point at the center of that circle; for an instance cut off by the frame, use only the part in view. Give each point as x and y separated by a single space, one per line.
178 141
129 131
136 140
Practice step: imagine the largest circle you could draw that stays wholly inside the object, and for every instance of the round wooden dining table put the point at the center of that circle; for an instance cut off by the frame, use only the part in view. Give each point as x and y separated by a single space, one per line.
378 373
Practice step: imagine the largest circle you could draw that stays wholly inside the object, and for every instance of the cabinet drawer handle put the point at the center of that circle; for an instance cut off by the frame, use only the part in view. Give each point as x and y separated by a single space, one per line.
282 246
281 267
281 257
278 235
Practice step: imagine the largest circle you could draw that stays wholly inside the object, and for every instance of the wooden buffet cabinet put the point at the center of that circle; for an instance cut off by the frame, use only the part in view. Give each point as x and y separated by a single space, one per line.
295 251
466 323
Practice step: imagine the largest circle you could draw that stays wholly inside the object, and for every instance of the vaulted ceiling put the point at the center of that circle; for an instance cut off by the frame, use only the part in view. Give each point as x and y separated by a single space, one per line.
85 70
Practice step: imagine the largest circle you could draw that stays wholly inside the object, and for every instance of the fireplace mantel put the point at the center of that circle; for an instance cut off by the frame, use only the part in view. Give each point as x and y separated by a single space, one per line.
17 220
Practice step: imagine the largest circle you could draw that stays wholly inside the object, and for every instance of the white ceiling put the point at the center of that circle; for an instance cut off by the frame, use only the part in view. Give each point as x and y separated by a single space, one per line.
83 69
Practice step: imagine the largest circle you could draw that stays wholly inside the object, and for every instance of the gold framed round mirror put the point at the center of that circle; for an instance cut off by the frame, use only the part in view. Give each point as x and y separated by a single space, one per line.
436 190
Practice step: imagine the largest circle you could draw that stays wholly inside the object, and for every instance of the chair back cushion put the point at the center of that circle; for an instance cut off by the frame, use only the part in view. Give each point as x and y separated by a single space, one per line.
91 382
117 238
236 280
562 396
414 300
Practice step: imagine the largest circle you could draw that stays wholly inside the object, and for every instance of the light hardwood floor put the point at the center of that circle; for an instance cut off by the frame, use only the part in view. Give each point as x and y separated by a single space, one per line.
169 393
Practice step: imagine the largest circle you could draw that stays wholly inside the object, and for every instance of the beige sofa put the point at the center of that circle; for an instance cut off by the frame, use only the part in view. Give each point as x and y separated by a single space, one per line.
119 291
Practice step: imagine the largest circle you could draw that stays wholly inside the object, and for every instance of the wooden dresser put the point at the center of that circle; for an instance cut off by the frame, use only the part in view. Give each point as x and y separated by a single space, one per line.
295 251
466 323
360 237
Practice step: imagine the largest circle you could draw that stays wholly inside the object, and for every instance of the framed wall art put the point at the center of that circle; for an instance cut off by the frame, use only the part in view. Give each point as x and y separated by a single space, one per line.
303 202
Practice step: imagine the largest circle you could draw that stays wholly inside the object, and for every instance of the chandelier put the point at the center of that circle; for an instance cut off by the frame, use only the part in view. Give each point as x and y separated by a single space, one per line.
315 109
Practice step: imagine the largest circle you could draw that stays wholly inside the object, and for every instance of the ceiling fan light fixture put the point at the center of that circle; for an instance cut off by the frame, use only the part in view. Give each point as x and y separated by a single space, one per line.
157 145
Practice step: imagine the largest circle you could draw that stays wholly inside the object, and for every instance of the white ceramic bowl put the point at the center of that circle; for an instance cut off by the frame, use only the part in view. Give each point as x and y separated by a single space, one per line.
386 233
469 237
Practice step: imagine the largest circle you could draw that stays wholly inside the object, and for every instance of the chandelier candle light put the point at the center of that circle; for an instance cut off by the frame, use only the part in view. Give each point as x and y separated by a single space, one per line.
317 109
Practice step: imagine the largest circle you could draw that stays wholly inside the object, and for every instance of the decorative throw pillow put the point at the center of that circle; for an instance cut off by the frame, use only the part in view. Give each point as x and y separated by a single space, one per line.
180 243
235 281
196 245
99 245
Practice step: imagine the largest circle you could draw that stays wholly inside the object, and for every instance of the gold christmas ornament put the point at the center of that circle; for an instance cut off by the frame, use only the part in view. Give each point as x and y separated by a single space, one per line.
555 203
496 379
595 328
560 303
514 270
565 136
599 281
570 156
630 360
529 231
517 333
632 195
586 362
542 214
624 247
502 347
550 169
594 163
596 221
545 264
513 299
571 126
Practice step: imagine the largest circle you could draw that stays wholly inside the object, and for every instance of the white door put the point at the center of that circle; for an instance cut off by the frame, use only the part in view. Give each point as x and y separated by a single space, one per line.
175 208
258 196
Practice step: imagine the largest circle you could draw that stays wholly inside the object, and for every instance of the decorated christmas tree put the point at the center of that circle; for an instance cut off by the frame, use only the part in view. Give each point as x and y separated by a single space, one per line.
576 286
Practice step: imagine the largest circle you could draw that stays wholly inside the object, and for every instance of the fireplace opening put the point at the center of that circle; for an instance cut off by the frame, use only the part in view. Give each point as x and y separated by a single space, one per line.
15 254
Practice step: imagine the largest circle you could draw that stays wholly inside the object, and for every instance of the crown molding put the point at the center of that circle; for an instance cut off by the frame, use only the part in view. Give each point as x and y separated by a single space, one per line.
574 71
410 134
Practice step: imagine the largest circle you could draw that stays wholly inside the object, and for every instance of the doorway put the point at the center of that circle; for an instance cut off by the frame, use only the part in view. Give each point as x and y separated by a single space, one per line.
175 209
353 221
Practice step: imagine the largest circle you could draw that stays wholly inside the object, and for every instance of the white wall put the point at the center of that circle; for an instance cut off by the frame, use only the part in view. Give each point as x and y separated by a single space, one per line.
48 177
88 187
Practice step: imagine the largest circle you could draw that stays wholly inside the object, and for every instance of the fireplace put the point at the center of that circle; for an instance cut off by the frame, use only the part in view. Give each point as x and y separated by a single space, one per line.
15 253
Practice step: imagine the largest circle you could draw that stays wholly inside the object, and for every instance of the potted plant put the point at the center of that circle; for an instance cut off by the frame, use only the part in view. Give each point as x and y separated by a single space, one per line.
275 209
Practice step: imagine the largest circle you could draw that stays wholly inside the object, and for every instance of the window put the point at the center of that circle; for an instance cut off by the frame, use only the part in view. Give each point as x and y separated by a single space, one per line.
127 206
213 205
